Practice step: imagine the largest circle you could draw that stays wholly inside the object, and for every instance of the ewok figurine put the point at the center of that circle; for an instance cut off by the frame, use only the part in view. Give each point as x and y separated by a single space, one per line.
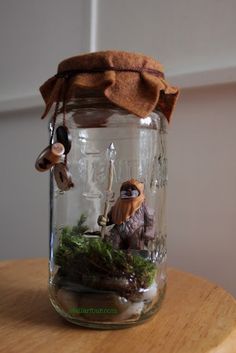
133 220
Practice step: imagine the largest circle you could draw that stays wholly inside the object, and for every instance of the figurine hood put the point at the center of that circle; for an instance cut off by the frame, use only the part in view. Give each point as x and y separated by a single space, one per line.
125 208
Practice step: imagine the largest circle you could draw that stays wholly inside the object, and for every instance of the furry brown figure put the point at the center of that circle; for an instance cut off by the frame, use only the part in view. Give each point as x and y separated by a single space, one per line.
133 220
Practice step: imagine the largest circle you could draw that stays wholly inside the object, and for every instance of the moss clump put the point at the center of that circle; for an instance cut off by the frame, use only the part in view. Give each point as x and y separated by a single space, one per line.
95 263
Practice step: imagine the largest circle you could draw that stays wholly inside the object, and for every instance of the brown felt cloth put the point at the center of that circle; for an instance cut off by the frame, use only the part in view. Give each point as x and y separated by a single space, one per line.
131 81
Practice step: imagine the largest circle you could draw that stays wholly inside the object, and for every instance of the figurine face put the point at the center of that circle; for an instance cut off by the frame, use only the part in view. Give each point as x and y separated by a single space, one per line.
129 192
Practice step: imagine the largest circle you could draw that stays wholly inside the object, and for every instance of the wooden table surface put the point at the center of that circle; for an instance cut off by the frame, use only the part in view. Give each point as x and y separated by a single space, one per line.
195 317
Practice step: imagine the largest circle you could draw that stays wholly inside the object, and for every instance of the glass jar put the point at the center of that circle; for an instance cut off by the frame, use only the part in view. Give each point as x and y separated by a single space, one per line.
107 265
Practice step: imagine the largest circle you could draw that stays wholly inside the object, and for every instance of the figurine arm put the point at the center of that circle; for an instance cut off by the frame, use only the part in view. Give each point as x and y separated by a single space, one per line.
103 221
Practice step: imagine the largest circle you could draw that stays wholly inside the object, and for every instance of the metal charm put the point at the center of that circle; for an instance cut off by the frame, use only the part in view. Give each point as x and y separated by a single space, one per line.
63 177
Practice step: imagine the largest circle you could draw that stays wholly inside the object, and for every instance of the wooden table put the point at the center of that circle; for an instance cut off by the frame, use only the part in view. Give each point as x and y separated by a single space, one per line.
196 317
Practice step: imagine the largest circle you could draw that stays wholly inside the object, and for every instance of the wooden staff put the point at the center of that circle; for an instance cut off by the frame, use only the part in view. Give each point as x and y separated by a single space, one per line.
111 155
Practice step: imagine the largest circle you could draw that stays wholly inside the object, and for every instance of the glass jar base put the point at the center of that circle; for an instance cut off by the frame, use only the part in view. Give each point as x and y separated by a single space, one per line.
102 320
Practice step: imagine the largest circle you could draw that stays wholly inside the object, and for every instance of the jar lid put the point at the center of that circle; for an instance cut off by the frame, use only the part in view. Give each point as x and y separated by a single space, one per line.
132 81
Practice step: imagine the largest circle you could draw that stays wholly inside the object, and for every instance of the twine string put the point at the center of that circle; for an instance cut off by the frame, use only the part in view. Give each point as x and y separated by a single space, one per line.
69 73
64 109
54 118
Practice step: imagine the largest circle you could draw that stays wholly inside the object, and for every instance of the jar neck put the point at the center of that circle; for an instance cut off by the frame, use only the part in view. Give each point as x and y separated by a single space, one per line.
101 103
90 102
95 101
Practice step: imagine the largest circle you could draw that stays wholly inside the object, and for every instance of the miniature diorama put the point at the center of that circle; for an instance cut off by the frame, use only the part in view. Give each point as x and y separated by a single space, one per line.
108 175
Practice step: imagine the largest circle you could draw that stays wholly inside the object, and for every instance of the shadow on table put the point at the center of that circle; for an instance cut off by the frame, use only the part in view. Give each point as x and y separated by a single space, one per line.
30 306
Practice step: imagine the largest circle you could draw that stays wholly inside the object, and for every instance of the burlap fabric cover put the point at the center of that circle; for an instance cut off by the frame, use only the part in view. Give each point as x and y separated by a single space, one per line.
131 81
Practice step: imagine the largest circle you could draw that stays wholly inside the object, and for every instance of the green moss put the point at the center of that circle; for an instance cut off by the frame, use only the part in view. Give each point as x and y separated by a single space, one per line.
93 262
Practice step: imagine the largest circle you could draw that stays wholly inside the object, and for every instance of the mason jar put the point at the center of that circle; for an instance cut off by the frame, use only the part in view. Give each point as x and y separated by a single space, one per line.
107 266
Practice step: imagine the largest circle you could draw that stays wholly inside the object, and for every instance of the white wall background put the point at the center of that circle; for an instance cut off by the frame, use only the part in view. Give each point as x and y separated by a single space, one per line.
195 42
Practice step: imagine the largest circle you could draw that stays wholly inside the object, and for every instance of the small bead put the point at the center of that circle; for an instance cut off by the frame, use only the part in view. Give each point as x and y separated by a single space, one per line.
58 149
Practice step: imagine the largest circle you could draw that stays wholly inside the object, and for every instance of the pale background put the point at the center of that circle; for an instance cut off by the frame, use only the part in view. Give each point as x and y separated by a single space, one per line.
195 40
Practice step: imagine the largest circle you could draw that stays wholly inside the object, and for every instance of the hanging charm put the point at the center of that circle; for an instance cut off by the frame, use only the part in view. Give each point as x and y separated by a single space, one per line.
62 177
61 172
52 156
49 157
64 137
